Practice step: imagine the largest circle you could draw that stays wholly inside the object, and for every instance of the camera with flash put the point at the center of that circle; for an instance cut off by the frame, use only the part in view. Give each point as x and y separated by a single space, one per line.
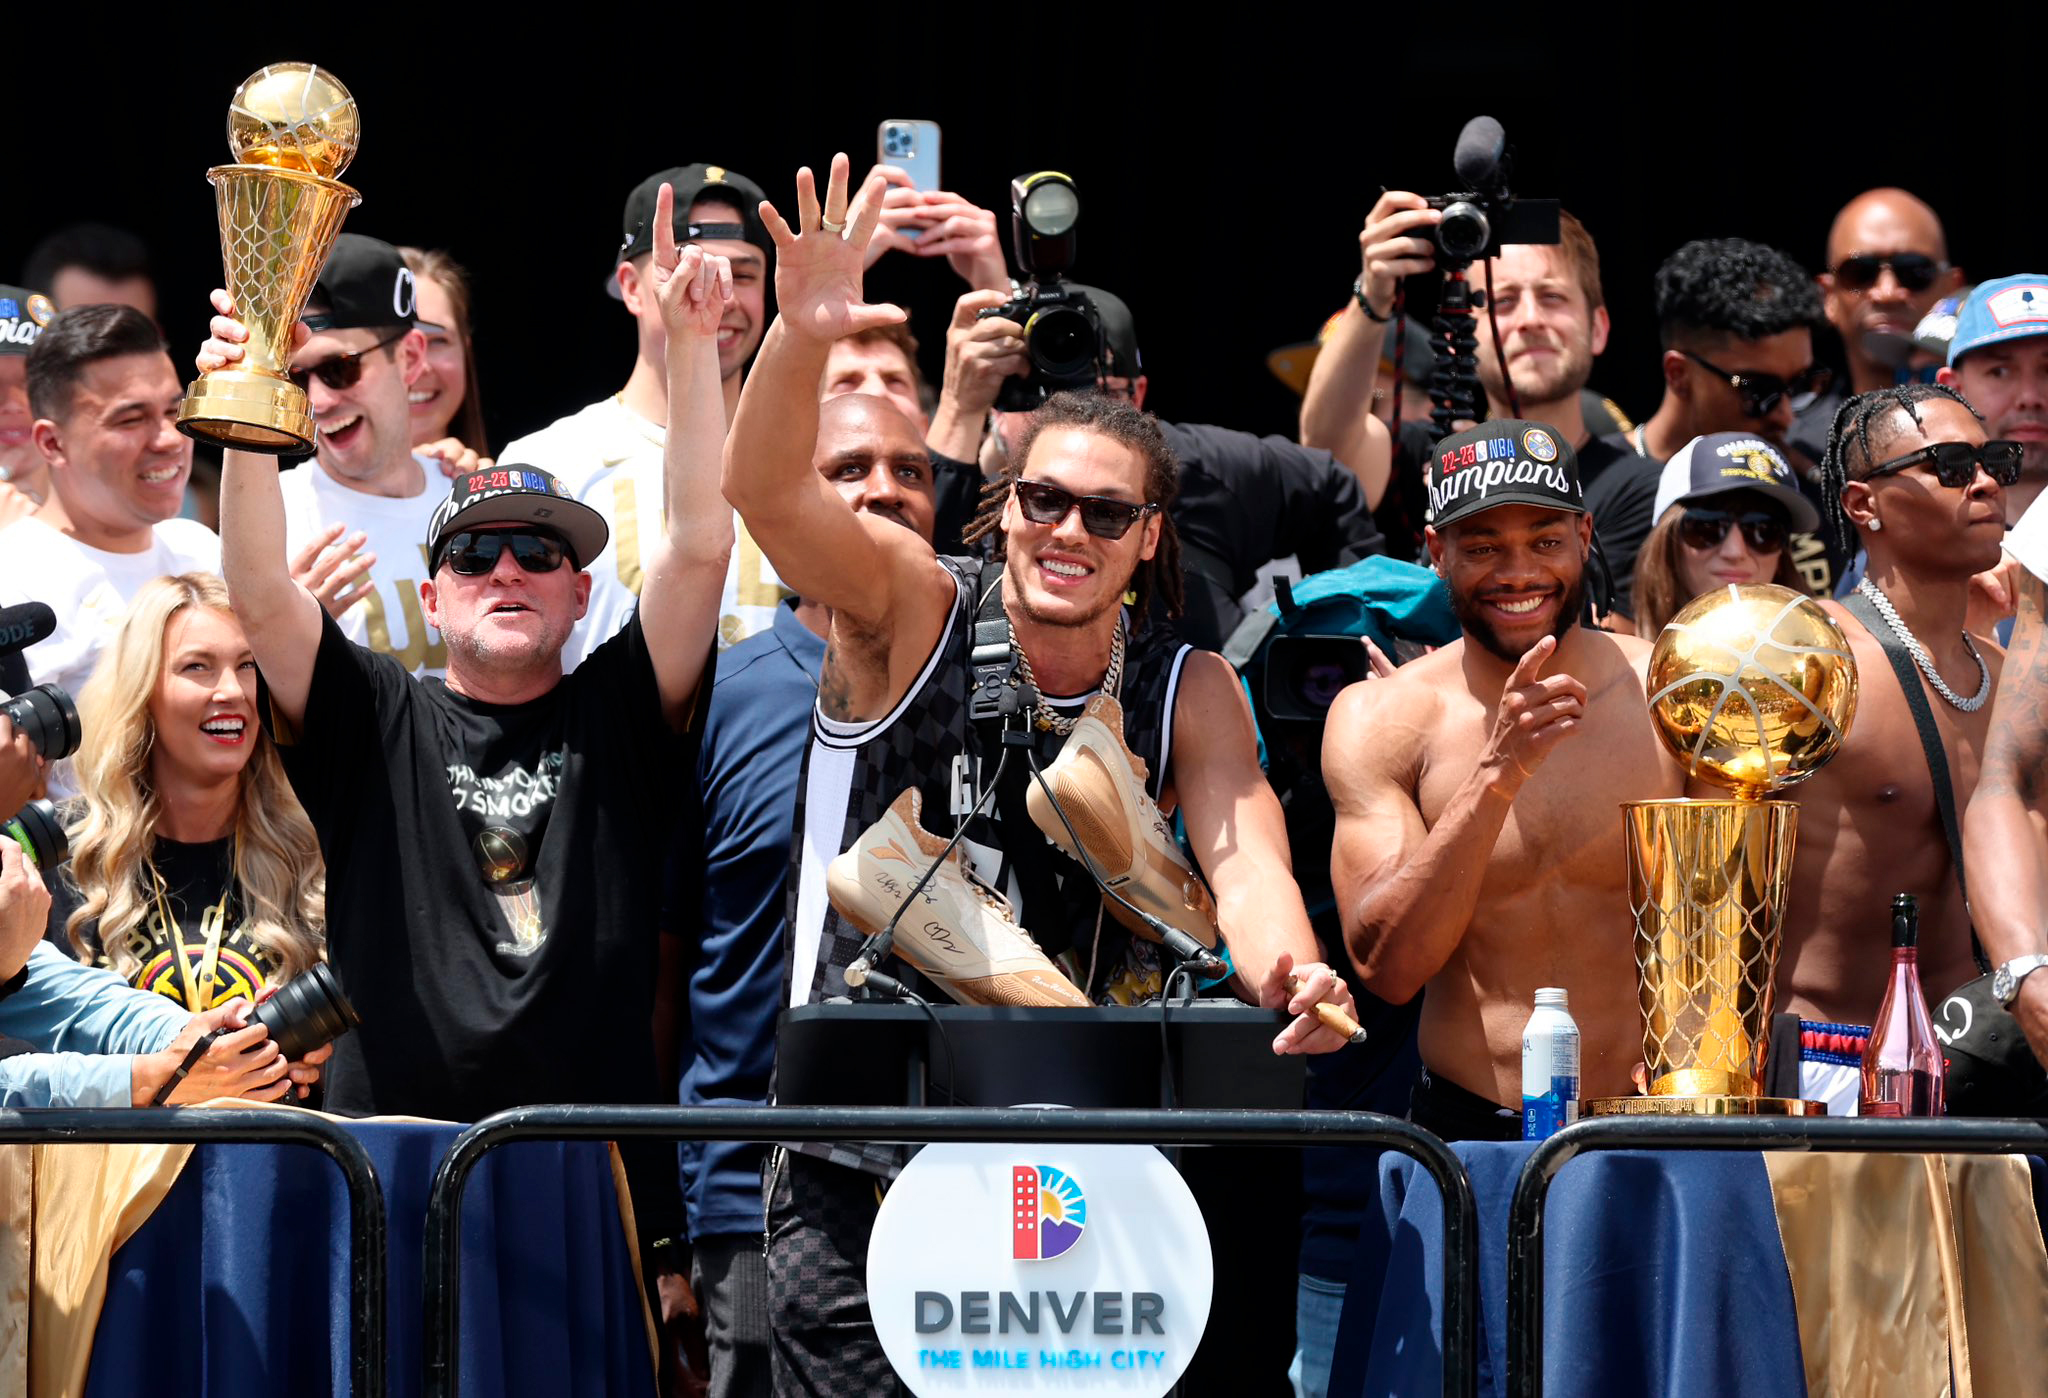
1063 336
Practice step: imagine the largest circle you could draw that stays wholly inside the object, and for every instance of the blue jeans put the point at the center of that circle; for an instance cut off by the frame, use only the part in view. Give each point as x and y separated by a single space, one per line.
1318 1305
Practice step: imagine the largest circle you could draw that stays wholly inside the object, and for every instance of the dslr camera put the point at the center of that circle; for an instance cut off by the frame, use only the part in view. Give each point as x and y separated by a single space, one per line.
46 716
1478 219
1063 337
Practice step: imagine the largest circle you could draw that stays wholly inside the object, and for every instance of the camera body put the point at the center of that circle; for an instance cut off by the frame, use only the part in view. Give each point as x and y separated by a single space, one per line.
1063 341
1477 222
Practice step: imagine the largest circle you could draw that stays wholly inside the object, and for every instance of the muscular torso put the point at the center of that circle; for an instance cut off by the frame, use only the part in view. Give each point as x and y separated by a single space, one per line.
1553 905
1869 828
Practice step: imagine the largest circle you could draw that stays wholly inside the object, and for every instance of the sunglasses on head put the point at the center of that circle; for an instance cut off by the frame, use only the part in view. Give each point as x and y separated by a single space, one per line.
1761 393
1955 463
1915 271
473 553
1100 515
344 370
1704 530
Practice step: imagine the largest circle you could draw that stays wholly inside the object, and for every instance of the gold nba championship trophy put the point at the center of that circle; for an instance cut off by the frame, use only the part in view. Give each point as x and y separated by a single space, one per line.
1752 688
293 128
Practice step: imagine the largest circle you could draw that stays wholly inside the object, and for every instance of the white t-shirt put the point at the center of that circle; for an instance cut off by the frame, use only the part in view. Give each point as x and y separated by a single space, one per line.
89 589
611 458
390 619
2028 540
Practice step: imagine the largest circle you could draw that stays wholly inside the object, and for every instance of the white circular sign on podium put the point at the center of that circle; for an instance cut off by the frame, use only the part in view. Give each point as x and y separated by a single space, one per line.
1039 1269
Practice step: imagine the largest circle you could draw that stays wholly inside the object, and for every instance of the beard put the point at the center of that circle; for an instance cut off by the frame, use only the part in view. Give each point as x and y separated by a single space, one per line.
507 654
1068 617
1472 618
1562 377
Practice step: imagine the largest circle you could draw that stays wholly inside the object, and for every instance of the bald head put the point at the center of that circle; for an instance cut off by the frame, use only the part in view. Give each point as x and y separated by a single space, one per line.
1887 266
1886 220
875 458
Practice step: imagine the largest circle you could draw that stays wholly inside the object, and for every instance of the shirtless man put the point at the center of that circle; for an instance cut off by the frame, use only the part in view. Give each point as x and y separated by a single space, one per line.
1464 861
1868 823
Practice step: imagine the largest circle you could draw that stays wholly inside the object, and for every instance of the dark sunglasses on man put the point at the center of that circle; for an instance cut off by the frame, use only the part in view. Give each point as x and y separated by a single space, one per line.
474 553
1955 463
343 371
1761 393
1914 271
1101 516
1705 529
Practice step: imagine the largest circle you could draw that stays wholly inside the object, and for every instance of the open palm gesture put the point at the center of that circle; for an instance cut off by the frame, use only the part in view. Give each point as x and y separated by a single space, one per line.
691 286
818 265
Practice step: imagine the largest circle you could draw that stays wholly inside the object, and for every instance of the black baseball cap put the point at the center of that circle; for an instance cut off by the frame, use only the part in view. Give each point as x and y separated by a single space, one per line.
1506 462
516 495
692 182
23 314
364 284
1721 462
1119 331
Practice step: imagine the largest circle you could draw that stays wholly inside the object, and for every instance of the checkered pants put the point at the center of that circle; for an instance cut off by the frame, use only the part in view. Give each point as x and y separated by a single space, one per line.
819 1218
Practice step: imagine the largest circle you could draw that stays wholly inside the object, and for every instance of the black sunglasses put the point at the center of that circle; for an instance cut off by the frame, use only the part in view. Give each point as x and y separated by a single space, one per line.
473 553
344 370
1101 516
1705 529
1955 463
1915 271
1761 393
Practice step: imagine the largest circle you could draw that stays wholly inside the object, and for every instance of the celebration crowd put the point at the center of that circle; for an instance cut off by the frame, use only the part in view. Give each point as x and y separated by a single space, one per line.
577 758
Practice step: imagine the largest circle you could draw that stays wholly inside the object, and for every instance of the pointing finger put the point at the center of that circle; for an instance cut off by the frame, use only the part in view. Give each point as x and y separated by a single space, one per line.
665 226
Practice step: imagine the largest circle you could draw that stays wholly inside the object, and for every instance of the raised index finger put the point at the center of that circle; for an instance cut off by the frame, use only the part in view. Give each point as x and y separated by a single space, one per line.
665 226
1531 663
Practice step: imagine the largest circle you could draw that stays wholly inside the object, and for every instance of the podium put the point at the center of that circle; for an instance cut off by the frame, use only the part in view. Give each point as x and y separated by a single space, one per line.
1211 1054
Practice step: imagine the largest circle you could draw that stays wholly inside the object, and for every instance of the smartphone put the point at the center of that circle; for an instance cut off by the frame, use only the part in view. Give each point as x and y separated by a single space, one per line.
913 147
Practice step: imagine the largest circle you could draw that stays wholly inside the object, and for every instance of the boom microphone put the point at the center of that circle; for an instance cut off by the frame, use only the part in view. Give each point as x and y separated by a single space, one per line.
25 623
1481 145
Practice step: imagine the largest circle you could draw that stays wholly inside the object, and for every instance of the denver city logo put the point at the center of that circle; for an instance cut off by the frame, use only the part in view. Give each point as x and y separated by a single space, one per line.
1044 1284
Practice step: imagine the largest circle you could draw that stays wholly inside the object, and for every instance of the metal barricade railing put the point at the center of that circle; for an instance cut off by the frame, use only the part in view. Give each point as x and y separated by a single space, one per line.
443 1277
1930 1136
239 1126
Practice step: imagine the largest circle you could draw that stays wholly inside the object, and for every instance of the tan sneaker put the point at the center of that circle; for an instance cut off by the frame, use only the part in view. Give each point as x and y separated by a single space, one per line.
962 935
1101 786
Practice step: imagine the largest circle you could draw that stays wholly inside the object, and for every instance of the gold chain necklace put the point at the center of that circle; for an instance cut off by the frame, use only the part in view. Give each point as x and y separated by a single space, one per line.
1049 719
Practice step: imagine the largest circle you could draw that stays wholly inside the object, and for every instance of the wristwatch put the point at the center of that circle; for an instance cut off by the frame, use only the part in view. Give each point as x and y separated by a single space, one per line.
1358 295
2005 981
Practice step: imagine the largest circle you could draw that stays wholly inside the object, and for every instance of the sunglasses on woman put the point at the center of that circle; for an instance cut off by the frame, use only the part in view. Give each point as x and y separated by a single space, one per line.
474 553
1955 463
1100 515
344 370
1705 529
1914 271
1761 393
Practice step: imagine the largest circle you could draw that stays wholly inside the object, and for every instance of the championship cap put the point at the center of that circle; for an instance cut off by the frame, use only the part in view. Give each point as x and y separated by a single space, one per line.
365 284
23 314
1505 462
1721 462
2009 308
516 495
693 182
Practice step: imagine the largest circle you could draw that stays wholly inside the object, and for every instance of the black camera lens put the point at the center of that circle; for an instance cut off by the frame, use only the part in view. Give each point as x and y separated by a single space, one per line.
307 1011
40 834
1062 343
49 718
1464 231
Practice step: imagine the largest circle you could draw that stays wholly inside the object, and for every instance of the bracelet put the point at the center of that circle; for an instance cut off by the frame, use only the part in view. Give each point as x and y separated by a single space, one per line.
1358 294
192 1056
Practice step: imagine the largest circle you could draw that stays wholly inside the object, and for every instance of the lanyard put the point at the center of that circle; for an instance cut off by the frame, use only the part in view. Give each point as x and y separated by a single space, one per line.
212 926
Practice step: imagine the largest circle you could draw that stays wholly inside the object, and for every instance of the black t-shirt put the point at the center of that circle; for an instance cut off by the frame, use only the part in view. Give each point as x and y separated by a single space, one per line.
473 997
197 880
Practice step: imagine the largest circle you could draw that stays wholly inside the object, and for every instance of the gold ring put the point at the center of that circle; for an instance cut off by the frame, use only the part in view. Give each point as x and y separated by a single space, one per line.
827 225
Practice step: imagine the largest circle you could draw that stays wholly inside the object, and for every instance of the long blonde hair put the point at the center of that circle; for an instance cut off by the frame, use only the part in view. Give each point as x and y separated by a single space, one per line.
278 871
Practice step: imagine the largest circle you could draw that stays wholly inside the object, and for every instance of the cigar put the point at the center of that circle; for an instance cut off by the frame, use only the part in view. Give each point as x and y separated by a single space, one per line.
1331 1016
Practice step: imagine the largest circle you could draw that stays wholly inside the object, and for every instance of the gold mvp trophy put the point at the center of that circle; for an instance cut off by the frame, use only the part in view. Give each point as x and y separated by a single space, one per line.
293 128
1752 688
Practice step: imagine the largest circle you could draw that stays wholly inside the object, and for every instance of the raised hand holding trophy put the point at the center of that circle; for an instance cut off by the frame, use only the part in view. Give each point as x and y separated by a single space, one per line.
293 128
1753 688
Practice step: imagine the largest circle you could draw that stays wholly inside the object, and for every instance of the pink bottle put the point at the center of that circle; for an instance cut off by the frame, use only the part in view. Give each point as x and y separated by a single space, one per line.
1902 1063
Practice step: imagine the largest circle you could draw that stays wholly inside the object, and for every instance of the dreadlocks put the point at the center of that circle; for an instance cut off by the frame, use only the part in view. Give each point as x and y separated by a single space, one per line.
1159 575
1865 426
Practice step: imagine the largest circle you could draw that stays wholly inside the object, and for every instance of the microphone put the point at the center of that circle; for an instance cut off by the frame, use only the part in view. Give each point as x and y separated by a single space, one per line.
25 623
1184 948
1481 145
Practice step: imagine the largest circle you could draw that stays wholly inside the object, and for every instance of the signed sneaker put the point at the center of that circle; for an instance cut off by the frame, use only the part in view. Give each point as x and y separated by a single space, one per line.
1100 784
960 933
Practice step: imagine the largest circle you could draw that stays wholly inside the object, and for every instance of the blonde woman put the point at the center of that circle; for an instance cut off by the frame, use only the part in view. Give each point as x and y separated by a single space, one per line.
195 871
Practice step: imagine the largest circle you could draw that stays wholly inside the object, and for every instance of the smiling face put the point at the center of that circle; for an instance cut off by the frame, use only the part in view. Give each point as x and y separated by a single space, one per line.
436 395
118 461
1943 531
364 431
508 622
1516 574
1059 574
1548 334
19 459
203 709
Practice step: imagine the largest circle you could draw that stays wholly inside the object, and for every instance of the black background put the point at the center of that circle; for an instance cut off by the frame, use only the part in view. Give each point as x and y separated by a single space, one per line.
1224 175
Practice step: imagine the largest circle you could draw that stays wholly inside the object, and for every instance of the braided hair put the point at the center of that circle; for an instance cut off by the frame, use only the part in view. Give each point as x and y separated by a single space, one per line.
1864 426
1158 576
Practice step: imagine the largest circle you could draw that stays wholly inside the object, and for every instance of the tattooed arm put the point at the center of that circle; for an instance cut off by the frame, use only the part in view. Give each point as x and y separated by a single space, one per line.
2005 842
